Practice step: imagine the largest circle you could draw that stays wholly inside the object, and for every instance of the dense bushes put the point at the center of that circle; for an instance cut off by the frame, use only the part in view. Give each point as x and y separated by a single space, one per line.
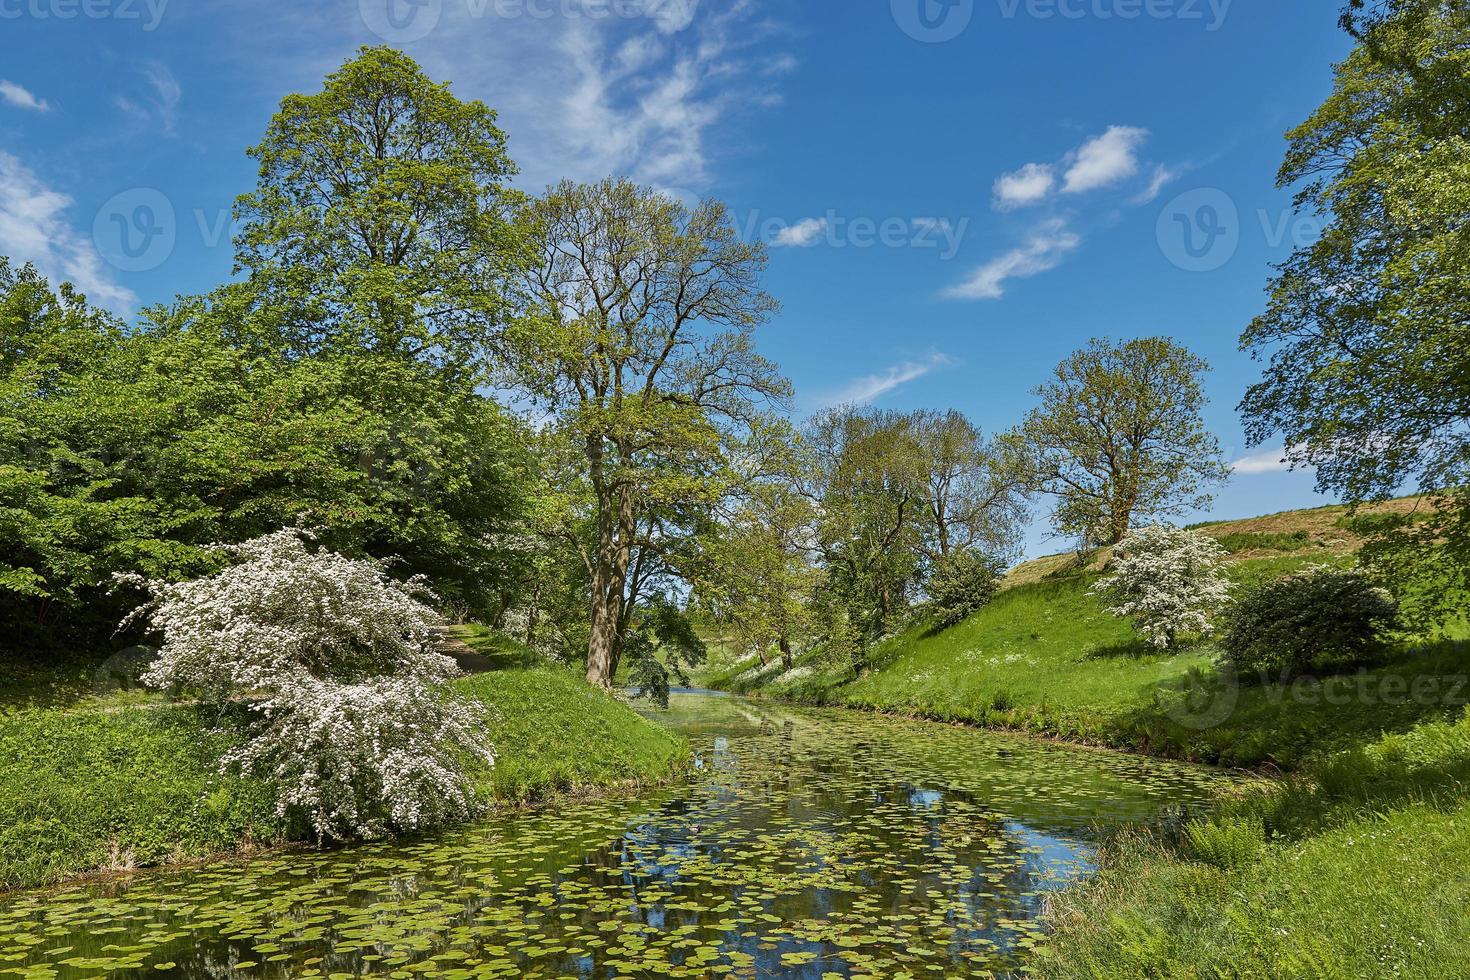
1318 620
132 449
336 667
962 582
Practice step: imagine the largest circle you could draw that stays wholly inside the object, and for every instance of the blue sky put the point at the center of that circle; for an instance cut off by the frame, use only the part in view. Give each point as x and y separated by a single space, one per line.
957 192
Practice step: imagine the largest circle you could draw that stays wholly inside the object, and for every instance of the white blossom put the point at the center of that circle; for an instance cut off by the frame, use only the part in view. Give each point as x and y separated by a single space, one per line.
1167 580
336 665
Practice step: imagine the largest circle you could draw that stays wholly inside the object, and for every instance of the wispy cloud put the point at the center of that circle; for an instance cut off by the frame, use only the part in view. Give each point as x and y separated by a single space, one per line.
1047 245
22 98
869 388
1163 176
1265 461
1029 185
34 228
651 94
159 100
1104 160
802 234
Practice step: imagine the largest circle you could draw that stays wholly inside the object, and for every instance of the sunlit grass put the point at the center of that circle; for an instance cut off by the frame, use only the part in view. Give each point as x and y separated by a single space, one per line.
120 780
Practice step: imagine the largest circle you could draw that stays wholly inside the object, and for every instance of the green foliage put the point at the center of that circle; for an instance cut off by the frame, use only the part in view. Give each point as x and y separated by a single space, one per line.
1226 844
119 784
658 647
638 340
1118 437
1256 541
1046 658
381 221
83 790
555 733
961 583
1322 619
1353 882
1365 332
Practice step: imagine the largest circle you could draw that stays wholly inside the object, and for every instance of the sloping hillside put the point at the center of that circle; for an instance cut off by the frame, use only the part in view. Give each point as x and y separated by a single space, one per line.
1316 531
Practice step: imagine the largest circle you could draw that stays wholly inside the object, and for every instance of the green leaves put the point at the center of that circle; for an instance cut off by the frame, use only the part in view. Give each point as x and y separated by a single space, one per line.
1365 334
1118 436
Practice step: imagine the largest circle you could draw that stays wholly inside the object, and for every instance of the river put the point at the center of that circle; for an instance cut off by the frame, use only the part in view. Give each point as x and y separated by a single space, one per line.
806 844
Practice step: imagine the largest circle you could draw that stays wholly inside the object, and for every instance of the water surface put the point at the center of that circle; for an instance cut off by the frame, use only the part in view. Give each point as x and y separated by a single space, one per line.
808 844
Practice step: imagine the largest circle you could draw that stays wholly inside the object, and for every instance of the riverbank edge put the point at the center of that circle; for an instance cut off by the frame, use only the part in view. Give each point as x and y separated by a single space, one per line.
497 807
54 816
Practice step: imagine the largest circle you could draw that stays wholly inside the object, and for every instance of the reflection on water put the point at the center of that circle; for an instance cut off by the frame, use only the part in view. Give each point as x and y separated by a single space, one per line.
808 844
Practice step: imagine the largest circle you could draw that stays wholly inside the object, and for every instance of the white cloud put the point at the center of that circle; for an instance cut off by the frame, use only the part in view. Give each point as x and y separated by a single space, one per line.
652 95
1162 177
1029 185
21 98
1104 160
802 234
861 391
1042 251
1265 461
34 228
159 103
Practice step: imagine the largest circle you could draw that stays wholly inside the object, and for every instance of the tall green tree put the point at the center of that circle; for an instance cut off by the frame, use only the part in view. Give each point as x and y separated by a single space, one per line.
127 450
977 488
1366 334
638 343
871 480
381 221
1118 436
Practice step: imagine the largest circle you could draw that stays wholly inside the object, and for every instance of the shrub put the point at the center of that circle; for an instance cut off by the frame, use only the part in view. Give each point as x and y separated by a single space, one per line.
961 584
1318 620
1167 580
333 664
1227 843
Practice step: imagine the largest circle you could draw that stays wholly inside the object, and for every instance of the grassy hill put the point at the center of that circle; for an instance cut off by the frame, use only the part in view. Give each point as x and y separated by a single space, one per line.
1317 532
1045 658
1336 868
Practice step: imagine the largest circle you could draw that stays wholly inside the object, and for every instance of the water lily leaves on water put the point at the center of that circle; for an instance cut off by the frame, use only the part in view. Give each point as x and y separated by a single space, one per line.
869 846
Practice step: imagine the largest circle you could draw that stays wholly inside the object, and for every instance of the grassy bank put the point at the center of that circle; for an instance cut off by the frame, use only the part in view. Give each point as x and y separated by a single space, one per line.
1045 658
123 781
1350 869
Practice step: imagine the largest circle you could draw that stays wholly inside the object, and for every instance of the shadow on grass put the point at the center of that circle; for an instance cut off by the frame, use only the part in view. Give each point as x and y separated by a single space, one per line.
1208 716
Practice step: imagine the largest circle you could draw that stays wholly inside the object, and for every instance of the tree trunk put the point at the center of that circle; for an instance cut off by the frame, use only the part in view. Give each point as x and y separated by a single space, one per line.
616 526
785 646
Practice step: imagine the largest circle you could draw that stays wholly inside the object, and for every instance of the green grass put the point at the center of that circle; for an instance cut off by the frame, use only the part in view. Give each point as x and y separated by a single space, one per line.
1350 869
98 789
1265 541
1045 658
111 783
556 733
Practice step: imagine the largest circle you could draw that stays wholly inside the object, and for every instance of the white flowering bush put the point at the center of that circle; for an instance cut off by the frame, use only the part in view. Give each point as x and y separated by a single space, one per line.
1169 581
334 663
